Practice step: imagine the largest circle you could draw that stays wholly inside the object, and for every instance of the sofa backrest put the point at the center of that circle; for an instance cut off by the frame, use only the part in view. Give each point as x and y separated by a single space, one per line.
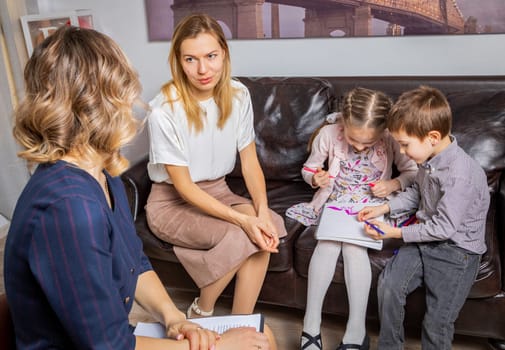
286 113
477 103
287 110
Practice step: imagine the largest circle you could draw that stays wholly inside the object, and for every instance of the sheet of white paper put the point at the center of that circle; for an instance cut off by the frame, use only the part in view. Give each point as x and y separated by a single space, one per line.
339 222
219 324
152 330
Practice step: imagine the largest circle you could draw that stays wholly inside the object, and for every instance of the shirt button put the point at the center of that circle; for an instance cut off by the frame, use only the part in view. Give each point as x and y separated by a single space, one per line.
126 300
132 270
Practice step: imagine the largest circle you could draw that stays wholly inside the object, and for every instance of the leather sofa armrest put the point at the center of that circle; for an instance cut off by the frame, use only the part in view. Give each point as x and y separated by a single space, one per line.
500 217
7 337
137 185
132 193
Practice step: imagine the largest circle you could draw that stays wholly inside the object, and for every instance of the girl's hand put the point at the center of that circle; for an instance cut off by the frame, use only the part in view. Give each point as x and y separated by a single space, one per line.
372 212
384 188
198 338
321 178
387 230
245 338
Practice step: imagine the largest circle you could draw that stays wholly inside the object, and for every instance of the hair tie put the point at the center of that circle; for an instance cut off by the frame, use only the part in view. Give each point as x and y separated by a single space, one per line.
332 117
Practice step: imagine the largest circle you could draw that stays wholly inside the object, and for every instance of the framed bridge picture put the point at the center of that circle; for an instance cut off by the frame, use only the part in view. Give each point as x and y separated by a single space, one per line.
331 18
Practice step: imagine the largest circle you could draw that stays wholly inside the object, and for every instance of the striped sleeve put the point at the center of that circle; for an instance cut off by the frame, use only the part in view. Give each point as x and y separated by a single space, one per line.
71 259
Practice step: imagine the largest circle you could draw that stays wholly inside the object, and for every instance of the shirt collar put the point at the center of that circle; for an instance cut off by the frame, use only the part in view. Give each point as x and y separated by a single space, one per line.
441 160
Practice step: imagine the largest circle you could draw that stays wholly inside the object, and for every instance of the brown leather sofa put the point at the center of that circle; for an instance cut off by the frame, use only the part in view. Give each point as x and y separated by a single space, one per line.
287 110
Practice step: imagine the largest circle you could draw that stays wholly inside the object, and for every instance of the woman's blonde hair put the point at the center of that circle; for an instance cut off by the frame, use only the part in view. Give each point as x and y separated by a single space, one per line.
80 89
188 28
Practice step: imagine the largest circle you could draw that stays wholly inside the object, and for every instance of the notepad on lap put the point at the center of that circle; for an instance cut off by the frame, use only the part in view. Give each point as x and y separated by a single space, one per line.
339 222
219 324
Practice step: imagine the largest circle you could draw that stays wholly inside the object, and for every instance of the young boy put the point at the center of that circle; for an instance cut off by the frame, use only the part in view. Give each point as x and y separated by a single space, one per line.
442 250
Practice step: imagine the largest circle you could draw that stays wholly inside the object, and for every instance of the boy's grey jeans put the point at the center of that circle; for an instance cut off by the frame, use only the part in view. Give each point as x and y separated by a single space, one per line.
447 273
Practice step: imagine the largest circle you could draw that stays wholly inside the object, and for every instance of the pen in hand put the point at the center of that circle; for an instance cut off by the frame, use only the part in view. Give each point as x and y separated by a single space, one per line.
314 171
375 227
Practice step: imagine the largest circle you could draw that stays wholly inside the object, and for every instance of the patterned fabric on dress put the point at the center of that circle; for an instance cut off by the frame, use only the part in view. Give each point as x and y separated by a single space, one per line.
352 184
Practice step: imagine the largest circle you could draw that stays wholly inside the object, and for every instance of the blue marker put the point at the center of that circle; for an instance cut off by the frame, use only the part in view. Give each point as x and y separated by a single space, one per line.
375 227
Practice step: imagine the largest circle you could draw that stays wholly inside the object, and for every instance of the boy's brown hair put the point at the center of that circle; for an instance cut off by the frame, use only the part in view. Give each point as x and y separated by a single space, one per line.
419 111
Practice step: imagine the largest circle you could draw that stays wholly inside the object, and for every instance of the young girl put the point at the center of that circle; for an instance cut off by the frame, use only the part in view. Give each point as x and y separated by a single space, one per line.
198 124
360 153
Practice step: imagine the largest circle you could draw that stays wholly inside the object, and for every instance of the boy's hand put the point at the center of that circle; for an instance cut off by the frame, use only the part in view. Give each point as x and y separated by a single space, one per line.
387 230
372 212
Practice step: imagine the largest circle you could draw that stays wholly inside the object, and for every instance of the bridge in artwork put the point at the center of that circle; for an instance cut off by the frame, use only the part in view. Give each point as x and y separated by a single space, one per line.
244 18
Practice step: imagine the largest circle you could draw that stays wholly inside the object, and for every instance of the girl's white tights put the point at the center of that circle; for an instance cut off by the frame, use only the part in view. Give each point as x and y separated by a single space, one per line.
358 276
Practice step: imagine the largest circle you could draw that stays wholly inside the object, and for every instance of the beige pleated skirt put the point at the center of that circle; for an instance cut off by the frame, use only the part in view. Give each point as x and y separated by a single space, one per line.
207 247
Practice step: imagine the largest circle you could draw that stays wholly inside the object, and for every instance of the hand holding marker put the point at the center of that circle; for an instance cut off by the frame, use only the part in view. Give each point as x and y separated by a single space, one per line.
375 227
371 184
314 171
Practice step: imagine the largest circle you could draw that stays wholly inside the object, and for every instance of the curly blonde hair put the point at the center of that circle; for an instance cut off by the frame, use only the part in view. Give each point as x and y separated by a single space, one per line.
79 93
189 28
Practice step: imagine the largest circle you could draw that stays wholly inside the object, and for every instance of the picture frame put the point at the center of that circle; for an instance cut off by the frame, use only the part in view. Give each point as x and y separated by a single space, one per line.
331 19
85 18
38 27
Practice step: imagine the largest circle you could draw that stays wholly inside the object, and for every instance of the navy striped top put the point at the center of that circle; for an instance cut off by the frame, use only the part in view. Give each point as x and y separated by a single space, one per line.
72 262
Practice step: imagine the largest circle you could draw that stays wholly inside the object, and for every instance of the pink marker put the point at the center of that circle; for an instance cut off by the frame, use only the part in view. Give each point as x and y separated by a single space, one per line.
314 171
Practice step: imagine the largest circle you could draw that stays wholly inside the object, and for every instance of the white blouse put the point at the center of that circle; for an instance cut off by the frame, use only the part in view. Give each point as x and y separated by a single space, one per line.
210 153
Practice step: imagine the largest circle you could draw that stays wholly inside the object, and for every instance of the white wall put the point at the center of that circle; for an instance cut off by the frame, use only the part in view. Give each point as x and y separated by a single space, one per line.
125 22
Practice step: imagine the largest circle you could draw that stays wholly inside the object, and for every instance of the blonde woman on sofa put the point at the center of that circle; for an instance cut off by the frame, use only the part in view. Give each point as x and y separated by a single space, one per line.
360 154
73 261
199 122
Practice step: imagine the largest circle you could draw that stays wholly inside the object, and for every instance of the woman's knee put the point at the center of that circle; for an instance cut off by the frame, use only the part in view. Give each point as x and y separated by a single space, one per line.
260 258
278 221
